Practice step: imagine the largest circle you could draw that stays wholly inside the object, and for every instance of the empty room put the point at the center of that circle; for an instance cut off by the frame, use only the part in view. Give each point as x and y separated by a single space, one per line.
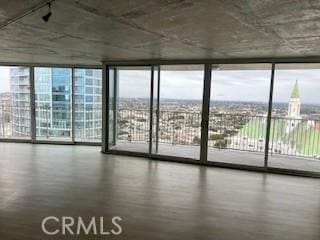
159 119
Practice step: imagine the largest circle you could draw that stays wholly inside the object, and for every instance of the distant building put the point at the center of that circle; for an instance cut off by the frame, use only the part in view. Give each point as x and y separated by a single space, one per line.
293 109
295 103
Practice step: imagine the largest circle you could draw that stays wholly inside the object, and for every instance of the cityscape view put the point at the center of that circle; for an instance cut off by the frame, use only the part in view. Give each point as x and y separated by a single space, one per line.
238 118
233 124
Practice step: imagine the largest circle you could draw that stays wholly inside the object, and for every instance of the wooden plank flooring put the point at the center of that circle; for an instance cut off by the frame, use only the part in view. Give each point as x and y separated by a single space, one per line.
156 200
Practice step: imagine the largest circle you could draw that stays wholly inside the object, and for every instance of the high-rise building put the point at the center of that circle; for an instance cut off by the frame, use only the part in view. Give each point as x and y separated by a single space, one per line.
20 101
88 104
53 101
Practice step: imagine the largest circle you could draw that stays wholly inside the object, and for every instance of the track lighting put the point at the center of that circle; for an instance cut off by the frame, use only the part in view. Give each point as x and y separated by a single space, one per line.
48 15
29 12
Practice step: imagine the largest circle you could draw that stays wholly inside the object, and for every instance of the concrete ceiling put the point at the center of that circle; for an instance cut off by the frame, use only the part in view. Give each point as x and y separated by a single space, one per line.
89 31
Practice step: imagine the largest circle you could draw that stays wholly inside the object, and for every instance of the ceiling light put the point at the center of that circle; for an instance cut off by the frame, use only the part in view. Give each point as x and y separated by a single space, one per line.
48 15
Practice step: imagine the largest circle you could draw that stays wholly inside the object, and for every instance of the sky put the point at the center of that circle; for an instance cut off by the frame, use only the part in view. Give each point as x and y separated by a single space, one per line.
308 83
4 79
174 84
229 85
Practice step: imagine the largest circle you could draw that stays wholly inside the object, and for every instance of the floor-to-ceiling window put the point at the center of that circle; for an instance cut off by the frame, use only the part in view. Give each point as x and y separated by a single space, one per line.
15 102
295 124
53 103
177 110
129 106
87 104
238 113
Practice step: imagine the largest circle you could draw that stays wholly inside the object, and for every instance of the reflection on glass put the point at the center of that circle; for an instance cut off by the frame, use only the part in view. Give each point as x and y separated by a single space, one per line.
88 101
295 124
53 103
238 113
14 102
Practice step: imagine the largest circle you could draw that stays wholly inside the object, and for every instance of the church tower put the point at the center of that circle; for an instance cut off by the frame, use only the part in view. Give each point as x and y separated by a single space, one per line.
294 104
293 115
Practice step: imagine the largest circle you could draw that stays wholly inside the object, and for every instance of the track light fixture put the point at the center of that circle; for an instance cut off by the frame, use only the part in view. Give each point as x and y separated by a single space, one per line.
29 12
48 15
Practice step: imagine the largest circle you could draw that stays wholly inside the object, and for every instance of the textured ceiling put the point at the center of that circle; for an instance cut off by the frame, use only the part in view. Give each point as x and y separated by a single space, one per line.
89 31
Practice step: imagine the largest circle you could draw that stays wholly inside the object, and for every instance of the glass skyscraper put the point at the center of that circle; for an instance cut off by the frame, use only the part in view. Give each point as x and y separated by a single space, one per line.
20 102
53 103
88 104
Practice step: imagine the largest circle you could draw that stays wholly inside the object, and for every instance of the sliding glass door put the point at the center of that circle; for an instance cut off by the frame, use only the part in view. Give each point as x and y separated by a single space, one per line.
152 110
129 108
295 125
177 108
238 113
165 110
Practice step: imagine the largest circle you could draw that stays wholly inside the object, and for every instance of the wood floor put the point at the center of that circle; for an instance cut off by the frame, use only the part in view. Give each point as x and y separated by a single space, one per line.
156 200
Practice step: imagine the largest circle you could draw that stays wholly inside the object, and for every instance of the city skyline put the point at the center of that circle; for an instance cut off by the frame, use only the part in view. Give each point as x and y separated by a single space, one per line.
227 85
